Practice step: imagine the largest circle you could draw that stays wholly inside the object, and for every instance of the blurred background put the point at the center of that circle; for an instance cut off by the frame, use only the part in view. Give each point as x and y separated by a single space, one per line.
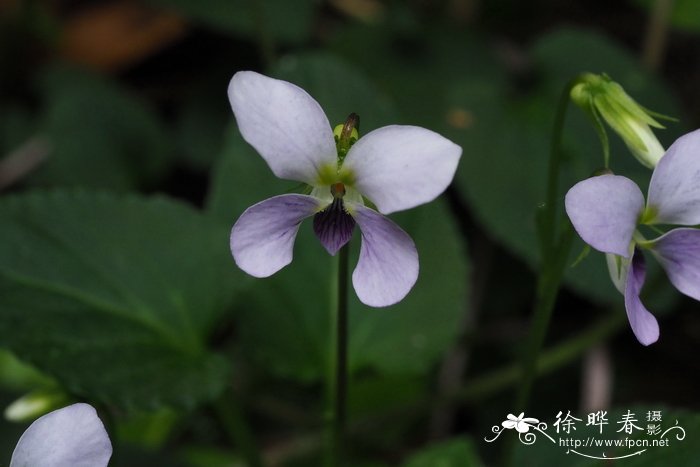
122 172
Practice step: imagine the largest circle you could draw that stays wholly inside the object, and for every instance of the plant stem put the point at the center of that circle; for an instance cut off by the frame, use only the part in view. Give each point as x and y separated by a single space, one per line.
337 363
555 247
657 34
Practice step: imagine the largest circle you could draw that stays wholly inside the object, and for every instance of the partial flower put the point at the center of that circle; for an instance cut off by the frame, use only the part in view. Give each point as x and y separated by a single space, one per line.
521 423
606 211
395 167
600 96
72 436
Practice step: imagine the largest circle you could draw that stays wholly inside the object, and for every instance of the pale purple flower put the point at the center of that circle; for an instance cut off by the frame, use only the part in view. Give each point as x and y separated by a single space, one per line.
606 210
69 437
395 167
521 423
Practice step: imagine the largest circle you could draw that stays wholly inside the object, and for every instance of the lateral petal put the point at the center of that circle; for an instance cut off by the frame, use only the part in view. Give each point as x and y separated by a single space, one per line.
262 239
388 264
678 251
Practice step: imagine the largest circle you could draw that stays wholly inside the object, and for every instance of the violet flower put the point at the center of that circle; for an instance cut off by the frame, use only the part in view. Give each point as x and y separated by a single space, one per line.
605 211
69 437
395 167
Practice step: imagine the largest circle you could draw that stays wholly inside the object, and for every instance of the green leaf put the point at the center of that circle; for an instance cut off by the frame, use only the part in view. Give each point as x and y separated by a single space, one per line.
452 453
452 84
99 134
280 19
115 296
284 319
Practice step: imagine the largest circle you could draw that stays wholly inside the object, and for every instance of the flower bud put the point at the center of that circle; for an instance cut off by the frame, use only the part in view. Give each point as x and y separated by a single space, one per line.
599 96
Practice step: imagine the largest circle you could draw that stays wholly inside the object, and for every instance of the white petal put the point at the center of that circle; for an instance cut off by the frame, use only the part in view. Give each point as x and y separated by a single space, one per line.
284 124
70 437
262 239
674 190
388 264
604 211
400 167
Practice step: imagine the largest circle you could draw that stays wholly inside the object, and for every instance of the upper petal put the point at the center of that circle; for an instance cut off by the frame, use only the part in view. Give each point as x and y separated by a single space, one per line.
604 211
70 437
284 124
643 323
388 264
262 239
400 167
678 251
674 190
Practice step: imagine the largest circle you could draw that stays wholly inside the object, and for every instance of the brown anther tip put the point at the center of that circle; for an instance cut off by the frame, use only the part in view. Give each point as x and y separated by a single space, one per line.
338 190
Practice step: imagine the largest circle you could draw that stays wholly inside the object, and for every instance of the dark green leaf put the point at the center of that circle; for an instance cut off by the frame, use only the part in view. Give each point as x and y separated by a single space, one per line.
113 296
99 134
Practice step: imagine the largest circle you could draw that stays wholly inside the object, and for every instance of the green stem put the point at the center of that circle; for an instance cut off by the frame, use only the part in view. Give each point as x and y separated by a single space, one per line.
337 364
548 222
555 250
237 429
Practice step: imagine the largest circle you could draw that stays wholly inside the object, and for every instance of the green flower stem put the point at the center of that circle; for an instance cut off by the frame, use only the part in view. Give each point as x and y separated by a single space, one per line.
555 244
237 429
337 364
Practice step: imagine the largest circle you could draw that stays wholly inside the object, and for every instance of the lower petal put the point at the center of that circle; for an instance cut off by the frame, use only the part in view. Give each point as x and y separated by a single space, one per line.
73 436
388 264
643 323
678 251
262 240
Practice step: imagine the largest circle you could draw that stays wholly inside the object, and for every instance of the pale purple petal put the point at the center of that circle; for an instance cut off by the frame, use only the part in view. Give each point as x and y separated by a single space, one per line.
284 124
400 167
643 323
678 251
262 239
70 437
674 190
604 211
388 264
